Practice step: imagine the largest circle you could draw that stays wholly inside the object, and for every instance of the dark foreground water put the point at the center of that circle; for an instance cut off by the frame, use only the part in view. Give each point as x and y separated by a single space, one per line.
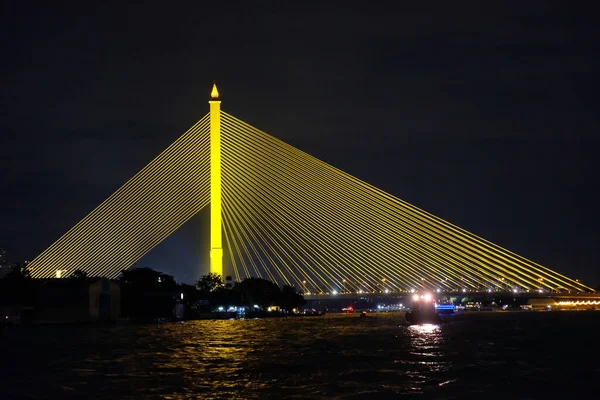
474 355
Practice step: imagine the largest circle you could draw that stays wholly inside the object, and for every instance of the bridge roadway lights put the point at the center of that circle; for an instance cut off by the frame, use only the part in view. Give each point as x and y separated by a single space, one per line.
485 294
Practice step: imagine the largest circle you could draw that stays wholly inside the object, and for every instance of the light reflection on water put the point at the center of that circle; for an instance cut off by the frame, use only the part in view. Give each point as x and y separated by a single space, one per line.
336 356
425 329
426 341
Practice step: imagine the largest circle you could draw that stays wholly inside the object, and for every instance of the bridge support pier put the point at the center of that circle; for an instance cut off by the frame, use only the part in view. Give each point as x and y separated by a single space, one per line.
216 245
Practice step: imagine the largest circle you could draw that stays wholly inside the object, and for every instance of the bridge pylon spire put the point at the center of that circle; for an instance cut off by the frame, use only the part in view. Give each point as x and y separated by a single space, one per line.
216 245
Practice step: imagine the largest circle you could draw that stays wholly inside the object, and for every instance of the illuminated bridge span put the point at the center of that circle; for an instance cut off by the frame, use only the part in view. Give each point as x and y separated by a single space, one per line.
281 214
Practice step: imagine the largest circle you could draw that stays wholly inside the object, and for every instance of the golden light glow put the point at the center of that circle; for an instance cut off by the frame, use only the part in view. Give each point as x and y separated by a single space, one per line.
216 236
214 94
579 303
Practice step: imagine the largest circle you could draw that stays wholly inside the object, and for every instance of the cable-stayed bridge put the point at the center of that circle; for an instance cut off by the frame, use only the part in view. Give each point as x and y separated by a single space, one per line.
281 214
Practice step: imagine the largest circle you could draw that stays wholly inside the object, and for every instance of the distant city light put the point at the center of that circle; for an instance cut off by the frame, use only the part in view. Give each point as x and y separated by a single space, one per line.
464 290
515 290
427 297
412 290
220 308
416 297
334 292
387 290
438 290
181 296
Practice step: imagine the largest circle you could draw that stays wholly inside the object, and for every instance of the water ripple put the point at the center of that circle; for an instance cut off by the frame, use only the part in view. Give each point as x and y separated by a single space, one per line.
337 356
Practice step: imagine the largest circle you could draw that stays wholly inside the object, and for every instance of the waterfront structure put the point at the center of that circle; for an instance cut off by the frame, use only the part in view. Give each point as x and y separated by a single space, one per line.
8 267
288 217
5 267
66 301
78 300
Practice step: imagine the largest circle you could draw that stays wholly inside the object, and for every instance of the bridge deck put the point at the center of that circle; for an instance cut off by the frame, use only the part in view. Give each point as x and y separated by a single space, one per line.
402 295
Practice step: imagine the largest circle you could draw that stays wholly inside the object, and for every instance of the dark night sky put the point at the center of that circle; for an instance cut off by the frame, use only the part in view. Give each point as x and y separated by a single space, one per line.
485 115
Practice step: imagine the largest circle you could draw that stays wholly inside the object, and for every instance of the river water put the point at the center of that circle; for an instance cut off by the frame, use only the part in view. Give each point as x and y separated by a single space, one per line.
475 355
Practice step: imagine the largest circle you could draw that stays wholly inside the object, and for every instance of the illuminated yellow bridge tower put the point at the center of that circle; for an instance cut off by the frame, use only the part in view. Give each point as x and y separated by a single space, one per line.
216 245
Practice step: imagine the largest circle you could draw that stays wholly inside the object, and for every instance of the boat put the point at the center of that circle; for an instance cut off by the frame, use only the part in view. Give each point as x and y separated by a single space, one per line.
423 311
444 308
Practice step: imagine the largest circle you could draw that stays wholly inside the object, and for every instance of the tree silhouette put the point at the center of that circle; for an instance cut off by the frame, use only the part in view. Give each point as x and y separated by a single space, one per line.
17 287
148 279
146 294
78 274
209 283
258 291
290 298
